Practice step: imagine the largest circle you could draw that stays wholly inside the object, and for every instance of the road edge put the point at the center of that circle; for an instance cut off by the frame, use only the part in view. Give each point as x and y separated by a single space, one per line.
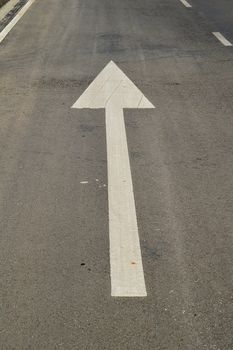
9 11
20 11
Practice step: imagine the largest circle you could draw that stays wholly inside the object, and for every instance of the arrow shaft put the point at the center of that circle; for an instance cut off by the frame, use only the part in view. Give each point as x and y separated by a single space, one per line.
127 276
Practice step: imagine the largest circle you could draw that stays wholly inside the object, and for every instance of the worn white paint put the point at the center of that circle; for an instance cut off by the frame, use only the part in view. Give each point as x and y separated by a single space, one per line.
222 39
185 3
15 20
113 91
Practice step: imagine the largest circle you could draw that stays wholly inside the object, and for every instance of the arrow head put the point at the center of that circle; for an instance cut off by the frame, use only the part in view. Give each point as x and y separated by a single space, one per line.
112 85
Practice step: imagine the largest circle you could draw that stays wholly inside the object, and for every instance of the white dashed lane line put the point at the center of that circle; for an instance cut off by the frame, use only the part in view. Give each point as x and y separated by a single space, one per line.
185 3
222 39
218 35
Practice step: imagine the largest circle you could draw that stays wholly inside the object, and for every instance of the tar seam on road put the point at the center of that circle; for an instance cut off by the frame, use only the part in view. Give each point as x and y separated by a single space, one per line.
15 20
222 39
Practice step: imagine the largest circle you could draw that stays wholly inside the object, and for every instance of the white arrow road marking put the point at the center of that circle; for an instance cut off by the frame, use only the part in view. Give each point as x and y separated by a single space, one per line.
113 91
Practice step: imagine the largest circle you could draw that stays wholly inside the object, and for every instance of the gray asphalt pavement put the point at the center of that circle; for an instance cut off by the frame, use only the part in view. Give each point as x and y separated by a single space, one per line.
54 237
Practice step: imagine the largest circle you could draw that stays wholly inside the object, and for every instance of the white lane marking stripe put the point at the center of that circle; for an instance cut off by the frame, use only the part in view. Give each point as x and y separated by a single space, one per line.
185 3
15 20
5 9
222 39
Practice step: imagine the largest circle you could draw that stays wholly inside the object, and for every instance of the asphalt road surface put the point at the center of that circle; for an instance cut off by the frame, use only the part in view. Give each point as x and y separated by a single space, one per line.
55 280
